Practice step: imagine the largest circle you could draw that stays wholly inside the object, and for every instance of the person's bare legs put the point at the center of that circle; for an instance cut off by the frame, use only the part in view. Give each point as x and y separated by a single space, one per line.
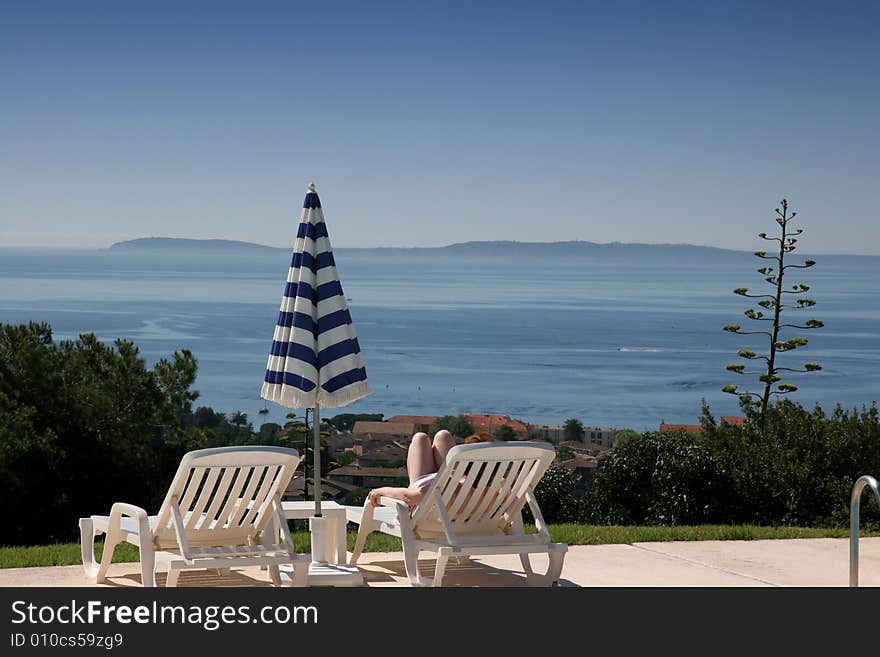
425 456
419 457
443 442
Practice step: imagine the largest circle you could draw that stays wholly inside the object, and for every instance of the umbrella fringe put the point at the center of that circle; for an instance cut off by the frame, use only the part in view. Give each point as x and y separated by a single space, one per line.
293 398
345 395
286 396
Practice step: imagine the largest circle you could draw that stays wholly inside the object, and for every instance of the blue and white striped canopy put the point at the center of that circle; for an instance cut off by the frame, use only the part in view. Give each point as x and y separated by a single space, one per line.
315 357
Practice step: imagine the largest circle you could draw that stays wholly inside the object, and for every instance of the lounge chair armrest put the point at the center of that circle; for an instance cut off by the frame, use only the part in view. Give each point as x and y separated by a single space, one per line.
403 510
120 509
131 510
392 503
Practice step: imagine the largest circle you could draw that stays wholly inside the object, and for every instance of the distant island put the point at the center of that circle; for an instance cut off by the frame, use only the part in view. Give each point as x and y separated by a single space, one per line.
213 246
486 249
183 245
581 247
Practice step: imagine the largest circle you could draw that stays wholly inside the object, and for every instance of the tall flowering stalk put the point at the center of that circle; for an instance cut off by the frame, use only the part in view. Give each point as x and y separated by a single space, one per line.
769 309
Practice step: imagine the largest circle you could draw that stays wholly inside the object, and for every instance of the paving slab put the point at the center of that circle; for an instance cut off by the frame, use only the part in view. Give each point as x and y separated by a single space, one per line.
628 565
796 562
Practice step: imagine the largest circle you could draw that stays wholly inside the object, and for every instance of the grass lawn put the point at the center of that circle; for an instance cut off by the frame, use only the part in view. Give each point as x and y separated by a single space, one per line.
64 554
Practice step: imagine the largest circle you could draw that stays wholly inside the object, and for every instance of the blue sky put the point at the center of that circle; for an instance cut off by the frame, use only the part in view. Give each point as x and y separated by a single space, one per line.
431 123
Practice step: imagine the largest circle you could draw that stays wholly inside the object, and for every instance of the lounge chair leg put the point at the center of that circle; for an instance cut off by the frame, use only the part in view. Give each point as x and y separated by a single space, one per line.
363 531
106 558
274 575
301 573
526 564
411 562
87 546
148 562
440 568
554 570
173 576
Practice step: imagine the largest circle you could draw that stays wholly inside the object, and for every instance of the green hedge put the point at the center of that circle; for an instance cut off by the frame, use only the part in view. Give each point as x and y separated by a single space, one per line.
798 470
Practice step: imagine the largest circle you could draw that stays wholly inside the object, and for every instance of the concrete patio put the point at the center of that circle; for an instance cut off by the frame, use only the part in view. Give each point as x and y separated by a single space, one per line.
796 562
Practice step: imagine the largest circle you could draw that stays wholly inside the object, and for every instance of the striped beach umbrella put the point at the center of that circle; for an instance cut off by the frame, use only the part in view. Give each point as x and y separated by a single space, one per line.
315 360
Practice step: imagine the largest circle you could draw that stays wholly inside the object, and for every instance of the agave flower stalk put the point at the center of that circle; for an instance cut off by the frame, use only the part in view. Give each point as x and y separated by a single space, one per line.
769 309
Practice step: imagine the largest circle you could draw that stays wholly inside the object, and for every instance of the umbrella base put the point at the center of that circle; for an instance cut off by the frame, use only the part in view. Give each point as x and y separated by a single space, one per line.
329 574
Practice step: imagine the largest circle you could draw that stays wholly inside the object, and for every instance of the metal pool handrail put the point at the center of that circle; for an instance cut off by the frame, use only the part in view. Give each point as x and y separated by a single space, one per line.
854 524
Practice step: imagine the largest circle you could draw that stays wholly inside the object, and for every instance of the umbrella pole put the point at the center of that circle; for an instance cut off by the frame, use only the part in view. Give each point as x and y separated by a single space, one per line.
316 458
318 525
323 570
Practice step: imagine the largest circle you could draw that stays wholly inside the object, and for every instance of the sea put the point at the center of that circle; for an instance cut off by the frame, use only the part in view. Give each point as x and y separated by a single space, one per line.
617 337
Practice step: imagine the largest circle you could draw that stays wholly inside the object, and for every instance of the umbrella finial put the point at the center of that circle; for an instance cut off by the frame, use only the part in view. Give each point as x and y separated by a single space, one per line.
312 189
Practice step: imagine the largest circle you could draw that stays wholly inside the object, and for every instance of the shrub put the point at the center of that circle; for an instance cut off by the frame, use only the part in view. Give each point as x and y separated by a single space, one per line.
555 495
656 478
799 470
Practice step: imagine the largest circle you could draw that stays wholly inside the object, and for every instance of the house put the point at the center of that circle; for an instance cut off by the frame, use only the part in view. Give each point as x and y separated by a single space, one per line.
364 445
424 423
481 422
387 430
338 443
600 435
382 455
360 477
336 491
584 470
732 420
555 433
491 423
687 428
583 449
295 487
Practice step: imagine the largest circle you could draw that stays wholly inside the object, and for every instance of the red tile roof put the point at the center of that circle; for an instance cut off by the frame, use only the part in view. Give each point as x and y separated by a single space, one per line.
414 419
479 421
732 420
688 428
384 428
491 423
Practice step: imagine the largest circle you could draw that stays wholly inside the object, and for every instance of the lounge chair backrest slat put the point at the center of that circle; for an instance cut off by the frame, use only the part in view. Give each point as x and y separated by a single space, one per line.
210 519
506 492
498 490
232 496
446 485
456 501
255 478
513 502
198 508
224 494
267 490
467 501
191 488
271 488
496 482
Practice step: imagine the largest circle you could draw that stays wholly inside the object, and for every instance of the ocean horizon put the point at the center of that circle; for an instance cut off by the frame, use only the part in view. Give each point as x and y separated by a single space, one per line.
618 337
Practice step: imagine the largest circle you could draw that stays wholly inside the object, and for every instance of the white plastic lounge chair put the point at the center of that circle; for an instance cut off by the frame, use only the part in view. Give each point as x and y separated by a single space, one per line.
453 521
214 516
